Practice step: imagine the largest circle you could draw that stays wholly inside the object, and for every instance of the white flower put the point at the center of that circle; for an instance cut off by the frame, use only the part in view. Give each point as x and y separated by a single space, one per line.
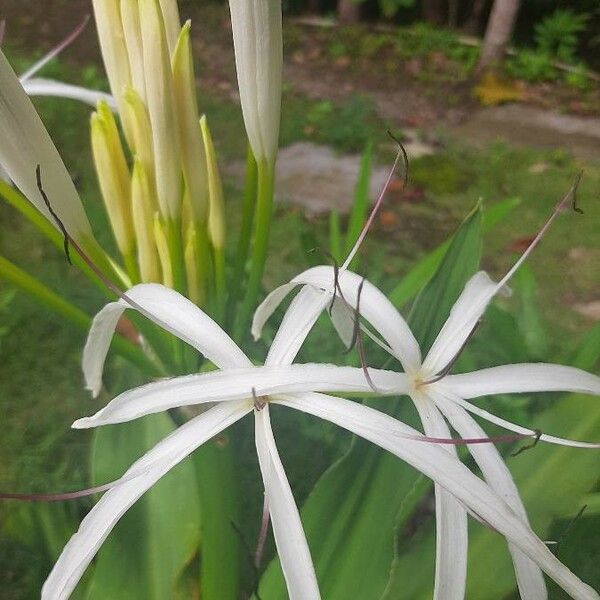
440 397
258 45
240 388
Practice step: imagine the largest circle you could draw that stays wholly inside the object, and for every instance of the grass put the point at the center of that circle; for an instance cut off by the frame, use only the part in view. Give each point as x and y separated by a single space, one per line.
40 380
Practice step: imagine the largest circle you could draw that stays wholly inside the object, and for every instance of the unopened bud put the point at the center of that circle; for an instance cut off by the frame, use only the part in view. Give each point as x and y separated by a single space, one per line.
113 175
130 17
163 252
161 108
142 203
216 204
192 147
192 267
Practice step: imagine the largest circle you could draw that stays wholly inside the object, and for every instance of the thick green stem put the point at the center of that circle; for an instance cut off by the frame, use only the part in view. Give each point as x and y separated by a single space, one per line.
264 211
175 243
243 245
68 311
220 284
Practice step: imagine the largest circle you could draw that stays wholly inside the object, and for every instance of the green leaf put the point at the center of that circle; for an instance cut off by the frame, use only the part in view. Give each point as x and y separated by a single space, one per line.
412 281
528 316
460 262
352 514
146 553
335 236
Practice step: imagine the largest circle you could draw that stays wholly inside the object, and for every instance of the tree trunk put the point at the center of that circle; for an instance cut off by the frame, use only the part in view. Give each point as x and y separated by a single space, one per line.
348 12
474 20
498 32
433 12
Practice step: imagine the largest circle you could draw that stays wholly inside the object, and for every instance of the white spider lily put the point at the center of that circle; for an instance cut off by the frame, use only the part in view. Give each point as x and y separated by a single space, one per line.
25 144
257 40
240 388
439 396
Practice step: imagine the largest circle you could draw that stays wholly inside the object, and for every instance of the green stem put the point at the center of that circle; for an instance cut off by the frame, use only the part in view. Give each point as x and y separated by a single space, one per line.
243 245
264 211
68 311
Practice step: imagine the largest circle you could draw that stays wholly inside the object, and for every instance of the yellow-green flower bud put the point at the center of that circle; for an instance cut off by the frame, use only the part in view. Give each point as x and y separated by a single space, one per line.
192 267
142 132
113 176
164 255
114 52
161 108
130 17
170 13
142 205
216 205
192 147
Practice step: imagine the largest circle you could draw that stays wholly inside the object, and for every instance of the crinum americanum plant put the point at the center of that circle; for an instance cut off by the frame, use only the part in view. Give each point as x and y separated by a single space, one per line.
161 187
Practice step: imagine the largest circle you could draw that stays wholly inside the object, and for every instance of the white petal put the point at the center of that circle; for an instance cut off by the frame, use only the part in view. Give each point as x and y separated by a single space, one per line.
450 517
142 475
464 316
517 428
290 540
172 312
297 322
268 306
374 307
529 576
529 377
25 144
236 384
437 464
49 87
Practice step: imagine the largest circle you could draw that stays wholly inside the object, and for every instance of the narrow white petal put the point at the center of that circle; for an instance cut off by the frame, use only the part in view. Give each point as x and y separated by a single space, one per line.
172 312
268 306
236 384
531 377
374 308
297 323
529 576
464 316
484 414
440 466
49 87
450 517
143 474
25 144
290 540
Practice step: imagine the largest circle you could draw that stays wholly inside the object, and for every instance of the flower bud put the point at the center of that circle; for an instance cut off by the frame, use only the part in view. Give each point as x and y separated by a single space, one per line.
130 17
192 268
192 147
113 176
142 132
142 204
216 205
258 45
164 255
161 108
170 13
114 52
